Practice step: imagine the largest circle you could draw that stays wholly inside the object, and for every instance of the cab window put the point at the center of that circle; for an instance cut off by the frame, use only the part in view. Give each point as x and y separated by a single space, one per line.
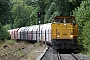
62 20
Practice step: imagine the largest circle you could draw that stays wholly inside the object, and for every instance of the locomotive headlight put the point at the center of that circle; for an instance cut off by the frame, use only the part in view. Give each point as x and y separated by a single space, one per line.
71 36
64 24
58 36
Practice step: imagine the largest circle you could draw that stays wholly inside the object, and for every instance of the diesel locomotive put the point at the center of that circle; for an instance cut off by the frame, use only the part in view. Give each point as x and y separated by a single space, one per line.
64 33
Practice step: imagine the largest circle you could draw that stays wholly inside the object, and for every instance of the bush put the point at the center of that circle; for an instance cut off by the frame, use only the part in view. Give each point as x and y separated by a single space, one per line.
11 42
82 15
4 34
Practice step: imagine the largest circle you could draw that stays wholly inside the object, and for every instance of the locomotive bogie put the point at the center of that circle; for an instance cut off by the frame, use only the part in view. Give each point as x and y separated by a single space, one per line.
64 44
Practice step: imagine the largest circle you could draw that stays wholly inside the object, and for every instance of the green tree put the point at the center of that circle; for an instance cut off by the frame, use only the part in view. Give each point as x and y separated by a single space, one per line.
21 13
58 7
4 34
5 8
4 18
86 35
33 16
82 15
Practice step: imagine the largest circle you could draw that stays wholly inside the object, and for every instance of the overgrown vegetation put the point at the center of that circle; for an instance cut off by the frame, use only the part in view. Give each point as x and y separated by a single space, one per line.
11 42
4 34
18 13
4 18
20 53
82 15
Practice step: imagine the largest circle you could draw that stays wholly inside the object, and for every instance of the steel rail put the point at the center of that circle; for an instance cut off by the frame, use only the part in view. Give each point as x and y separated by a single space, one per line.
59 56
75 56
40 57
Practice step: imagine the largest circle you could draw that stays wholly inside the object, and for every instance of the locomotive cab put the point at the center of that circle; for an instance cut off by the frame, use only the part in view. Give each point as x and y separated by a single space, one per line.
65 20
64 31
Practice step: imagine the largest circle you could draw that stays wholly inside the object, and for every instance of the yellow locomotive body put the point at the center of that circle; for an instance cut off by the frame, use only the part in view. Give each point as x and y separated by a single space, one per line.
64 31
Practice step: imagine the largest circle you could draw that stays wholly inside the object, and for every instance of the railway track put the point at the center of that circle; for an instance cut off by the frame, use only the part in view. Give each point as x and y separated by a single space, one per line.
54 55
59 56
69 57
42 54
75 56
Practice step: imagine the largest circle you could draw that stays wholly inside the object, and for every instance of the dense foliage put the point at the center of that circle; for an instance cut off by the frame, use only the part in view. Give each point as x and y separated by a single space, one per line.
4 18
4 11
82 15
18 13
24 12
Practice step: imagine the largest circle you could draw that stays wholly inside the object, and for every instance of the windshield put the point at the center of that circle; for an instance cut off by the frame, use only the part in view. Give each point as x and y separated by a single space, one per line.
63 20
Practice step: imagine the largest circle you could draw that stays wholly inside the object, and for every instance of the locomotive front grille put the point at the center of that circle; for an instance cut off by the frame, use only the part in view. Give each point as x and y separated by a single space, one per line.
64 36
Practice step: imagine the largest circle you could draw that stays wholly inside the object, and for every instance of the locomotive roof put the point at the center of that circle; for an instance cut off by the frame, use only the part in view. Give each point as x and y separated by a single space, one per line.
58 17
